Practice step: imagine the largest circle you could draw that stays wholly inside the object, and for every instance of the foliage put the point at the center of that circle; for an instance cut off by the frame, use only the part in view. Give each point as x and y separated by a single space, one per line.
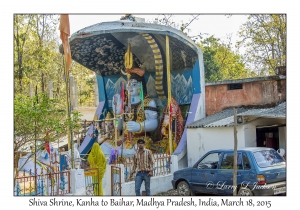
37 117
22 25
220 62
37 60
264 37
34 49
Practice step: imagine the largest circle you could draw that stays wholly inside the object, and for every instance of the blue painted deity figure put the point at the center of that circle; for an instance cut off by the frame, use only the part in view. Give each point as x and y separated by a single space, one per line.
141 117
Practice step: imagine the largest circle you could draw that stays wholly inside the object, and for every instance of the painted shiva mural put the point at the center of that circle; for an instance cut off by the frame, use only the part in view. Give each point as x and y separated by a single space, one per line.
150 82
140 113
171 120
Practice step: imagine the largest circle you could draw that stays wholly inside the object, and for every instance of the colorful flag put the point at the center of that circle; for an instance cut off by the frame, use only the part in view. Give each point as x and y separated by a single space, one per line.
142 95
64 28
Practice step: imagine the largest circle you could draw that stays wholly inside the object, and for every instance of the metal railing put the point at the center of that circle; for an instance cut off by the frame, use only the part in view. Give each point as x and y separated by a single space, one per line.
161 166
47 184
92 180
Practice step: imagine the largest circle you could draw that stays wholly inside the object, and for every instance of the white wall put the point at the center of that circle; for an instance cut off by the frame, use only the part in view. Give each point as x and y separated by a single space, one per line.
106 181
77 184
158 184
202 140
249 134
182 163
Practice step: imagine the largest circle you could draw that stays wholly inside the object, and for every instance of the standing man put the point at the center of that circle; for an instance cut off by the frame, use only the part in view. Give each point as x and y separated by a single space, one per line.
143 166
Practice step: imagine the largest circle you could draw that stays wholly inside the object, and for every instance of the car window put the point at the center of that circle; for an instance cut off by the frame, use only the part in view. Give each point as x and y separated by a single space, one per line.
227 161
246 161
210 161
266 158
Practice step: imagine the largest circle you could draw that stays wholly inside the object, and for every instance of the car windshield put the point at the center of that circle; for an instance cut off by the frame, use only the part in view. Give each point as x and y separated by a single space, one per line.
266 158
209 162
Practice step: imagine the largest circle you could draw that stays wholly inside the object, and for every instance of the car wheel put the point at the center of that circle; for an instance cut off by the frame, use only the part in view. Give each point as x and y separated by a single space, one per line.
244 191
184 189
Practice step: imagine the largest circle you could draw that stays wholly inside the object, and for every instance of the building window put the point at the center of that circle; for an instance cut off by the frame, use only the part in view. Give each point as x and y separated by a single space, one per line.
235 86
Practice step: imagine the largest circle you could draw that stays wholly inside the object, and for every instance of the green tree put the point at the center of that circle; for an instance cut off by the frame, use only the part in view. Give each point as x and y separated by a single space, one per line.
220 62
36 62
264 37
37 117
22 27
35 52
43 49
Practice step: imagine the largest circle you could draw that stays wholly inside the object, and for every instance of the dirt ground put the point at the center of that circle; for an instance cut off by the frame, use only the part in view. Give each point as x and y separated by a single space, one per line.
170 192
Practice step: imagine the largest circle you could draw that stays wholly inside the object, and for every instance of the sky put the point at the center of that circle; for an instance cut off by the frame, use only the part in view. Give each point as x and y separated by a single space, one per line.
218 25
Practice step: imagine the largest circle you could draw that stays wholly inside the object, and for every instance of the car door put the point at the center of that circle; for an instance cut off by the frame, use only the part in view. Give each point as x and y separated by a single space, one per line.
248 175
203 174
224 178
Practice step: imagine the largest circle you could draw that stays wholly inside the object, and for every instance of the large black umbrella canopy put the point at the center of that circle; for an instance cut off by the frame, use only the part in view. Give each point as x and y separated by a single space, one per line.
101 47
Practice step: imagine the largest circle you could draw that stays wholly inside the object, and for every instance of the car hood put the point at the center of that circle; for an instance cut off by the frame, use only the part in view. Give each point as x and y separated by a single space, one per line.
184 170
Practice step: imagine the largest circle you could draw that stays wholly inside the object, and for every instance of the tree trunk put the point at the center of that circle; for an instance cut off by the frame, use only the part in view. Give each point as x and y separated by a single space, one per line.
43 83
235 154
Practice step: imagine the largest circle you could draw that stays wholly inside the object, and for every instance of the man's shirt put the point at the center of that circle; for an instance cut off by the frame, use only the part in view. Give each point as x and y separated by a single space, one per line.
143 161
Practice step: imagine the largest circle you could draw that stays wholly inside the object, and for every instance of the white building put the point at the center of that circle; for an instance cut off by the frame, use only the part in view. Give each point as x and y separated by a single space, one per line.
255 127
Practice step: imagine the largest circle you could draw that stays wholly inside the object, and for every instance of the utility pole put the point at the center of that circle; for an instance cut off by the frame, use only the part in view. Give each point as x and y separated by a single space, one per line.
35 139
235 153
